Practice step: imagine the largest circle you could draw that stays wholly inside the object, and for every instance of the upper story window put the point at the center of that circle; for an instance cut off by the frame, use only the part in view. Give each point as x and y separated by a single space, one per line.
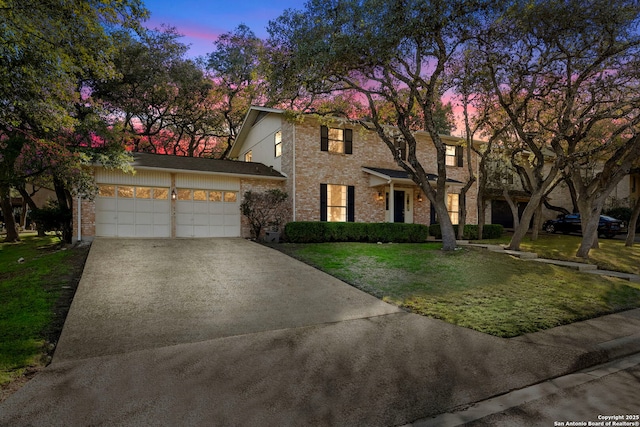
248 156
454 155
278 144
336 140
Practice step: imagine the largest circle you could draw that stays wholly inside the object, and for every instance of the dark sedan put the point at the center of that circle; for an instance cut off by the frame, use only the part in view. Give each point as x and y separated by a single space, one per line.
607 227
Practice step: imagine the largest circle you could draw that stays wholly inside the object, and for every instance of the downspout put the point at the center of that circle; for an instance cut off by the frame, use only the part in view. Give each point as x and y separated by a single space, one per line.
79 214
293 172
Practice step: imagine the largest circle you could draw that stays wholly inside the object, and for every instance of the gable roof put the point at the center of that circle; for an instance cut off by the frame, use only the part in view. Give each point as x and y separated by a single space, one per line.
203 165
395 174
251 118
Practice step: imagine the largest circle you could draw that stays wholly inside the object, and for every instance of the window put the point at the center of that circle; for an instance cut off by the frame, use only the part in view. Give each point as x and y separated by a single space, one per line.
184 194
161 193
278 144
143 192
125 192
454 155
215 196
453 207
230 196
248 156
200 195
107 190
337 203
336 140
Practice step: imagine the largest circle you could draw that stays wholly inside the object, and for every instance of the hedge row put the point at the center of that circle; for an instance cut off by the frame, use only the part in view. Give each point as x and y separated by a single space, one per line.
489 231
317 232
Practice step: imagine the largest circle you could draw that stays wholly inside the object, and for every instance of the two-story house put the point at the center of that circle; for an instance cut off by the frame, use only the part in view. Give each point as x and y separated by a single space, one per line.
332 170
338 171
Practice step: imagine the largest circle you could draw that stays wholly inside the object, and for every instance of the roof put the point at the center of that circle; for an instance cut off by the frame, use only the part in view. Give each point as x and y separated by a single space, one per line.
252 116
203 165
402 174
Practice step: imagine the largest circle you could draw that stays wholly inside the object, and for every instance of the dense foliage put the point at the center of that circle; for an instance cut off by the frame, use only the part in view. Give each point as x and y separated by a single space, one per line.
308 232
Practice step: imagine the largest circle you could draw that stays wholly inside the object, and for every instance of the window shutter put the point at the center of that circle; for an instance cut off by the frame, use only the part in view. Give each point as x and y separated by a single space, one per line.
351 203
324 138
348 141
459 159
323 202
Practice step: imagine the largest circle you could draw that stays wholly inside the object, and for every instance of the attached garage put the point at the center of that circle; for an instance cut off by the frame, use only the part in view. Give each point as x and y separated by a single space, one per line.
170 196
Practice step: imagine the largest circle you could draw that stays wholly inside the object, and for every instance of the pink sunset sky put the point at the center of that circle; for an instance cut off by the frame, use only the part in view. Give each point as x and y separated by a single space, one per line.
201 22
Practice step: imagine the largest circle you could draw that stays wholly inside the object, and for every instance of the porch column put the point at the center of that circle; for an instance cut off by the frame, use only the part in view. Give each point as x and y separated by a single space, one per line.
391 203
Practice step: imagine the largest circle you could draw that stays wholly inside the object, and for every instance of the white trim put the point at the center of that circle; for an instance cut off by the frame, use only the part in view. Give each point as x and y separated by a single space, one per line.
79 215
227 174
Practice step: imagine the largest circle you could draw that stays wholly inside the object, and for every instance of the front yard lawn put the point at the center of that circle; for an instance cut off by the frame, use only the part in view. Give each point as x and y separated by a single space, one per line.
490 292
35 295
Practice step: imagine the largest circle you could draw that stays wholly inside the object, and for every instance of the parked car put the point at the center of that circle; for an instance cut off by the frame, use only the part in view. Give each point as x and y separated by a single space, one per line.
607 227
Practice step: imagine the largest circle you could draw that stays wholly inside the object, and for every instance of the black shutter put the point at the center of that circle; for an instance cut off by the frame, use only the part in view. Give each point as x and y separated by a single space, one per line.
324 138
348 141
351 203
323 202
459 160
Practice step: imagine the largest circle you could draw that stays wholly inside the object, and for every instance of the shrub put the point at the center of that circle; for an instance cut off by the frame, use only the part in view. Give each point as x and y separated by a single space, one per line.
490 231
52 218
316 232
263 210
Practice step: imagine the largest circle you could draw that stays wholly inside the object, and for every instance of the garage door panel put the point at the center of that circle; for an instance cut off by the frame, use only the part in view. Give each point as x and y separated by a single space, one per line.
217 231
201 208
161 218
231 231
126 230
231 220
125 218
145 206
144 230
161 230
106 204
231 209
106 229
143 218
216 208
201 219
184 207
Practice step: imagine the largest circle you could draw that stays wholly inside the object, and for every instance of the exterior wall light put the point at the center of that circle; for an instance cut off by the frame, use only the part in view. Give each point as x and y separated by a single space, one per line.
173 194
379 197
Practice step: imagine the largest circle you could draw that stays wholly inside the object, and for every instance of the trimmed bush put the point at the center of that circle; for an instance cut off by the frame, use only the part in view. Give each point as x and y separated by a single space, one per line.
490 231
317 232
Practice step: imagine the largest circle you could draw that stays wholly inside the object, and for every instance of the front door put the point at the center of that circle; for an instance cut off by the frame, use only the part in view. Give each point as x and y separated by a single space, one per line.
398 206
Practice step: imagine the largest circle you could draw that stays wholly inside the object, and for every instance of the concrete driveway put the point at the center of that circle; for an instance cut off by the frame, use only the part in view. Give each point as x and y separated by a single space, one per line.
228 332
143 294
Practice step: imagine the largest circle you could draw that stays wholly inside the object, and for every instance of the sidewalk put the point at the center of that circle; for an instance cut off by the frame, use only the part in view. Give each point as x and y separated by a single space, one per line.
531 256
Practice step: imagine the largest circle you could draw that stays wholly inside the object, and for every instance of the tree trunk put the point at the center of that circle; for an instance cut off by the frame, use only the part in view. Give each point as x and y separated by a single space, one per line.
65 203
537 223
589 218
481 214
513 206
633 222
523 226
7 213
32 205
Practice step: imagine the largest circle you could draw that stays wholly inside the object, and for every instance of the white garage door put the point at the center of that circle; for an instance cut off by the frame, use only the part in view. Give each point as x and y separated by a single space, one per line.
207 213
133 211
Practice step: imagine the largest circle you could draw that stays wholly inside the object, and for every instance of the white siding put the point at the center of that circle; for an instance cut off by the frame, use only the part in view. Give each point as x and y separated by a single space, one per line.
151 179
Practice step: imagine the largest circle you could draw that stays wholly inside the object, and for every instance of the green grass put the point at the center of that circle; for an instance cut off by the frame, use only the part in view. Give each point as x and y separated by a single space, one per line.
611 255
28 292
489 292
